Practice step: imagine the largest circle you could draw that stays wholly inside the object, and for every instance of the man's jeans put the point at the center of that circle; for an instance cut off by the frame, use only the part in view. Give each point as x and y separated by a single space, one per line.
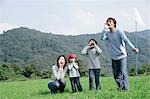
120 73
94 73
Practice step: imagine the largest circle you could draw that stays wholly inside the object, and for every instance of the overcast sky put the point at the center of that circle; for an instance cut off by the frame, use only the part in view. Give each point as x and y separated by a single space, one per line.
71 17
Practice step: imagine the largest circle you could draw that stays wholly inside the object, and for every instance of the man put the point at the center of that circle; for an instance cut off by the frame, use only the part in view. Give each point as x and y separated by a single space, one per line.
116 40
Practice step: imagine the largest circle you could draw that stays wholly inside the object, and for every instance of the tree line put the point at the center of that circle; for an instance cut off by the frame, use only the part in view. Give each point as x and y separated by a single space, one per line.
15 72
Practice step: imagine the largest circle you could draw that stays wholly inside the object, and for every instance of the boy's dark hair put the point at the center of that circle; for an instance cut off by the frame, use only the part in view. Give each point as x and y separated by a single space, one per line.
113 19
93 40
58 60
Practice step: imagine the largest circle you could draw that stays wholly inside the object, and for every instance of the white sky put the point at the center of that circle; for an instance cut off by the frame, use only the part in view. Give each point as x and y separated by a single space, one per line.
71 17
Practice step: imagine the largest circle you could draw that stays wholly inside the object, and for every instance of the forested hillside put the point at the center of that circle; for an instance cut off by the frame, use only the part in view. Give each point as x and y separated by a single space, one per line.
23 46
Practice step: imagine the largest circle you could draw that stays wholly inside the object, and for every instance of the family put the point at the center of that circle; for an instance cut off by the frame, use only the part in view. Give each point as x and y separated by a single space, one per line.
115 41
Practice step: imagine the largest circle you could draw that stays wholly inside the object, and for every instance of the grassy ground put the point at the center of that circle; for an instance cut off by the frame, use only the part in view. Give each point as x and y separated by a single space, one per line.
37 89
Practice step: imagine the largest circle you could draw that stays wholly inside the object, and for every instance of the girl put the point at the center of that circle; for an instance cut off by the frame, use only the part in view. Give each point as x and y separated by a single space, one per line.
74 73
58 72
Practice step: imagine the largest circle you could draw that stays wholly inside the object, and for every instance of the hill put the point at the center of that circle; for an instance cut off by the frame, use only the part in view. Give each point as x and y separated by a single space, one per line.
25 46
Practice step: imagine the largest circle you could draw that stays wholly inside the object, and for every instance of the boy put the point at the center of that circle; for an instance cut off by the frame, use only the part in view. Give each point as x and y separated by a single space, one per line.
93 52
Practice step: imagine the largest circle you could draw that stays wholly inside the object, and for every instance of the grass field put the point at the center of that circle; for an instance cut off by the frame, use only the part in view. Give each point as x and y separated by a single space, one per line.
37 89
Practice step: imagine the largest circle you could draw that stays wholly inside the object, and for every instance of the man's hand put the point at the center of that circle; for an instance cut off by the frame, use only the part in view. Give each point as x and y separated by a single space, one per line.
136 50
106 26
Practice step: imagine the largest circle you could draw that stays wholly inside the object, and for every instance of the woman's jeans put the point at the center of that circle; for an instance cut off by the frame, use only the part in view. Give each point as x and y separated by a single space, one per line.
56 85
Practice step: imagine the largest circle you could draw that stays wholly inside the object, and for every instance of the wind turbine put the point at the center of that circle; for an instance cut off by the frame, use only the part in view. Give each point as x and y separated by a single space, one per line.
138 21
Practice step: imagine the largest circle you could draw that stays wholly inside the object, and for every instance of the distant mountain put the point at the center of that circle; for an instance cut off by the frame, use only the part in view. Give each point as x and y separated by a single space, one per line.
28 46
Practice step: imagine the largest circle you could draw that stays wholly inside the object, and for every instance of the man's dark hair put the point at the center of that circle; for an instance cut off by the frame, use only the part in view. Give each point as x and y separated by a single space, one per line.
113 19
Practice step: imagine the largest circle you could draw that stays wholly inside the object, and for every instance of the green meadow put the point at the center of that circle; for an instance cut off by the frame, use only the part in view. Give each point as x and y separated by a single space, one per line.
37 89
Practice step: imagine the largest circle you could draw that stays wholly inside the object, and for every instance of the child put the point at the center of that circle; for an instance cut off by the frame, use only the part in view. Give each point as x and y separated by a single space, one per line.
74 73
93 52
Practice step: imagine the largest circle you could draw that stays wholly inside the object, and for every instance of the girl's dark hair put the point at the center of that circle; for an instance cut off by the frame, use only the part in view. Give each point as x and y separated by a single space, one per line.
113 19
59 58
93 40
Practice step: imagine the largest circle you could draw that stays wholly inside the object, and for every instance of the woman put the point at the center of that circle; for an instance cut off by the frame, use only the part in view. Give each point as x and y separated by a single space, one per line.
59 70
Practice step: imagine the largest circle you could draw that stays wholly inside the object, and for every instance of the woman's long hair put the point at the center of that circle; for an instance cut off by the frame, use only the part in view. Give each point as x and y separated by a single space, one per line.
59 58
